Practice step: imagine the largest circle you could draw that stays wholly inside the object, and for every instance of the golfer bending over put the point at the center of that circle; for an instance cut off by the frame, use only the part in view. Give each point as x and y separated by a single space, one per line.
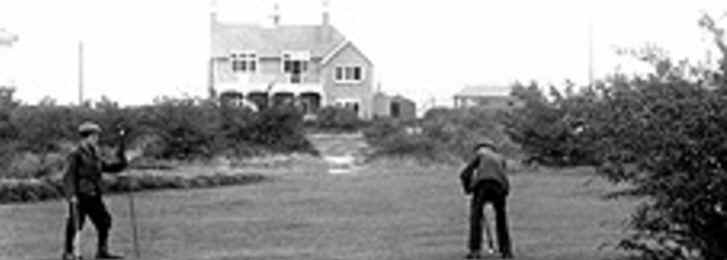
485 178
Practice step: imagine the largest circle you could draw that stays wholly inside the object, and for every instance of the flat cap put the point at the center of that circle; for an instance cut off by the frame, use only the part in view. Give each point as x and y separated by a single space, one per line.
486 142
88 126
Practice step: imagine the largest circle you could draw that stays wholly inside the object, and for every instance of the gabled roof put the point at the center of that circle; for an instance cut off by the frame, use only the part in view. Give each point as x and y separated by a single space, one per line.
400 98
484 91
340 47
272 41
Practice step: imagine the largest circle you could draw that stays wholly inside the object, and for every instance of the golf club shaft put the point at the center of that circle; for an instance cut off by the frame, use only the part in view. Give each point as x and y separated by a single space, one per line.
134 233
76 228
488 230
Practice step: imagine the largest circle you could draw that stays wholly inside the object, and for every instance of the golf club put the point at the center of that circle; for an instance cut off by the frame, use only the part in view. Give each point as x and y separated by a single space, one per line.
134 231
77 228
488 231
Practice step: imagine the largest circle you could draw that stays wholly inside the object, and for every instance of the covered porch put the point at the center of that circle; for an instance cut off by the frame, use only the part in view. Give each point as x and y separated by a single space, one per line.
308 98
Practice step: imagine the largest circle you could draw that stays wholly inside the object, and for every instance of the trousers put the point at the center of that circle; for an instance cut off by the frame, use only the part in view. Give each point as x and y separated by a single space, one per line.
492 192
95 209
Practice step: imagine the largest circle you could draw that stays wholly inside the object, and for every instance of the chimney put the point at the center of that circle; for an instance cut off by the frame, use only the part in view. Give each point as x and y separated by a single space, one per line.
213 14
326 14
326 22
276 15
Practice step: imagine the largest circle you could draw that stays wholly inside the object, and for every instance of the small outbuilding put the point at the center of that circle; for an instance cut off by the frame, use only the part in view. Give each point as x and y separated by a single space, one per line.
397 106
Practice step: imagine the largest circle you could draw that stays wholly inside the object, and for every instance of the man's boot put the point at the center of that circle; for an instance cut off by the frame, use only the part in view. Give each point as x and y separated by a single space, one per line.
473 255
71 256
103 253
103 248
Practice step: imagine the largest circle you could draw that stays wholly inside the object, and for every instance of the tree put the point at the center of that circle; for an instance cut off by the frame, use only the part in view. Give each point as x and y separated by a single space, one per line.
7 97
663 134
708 23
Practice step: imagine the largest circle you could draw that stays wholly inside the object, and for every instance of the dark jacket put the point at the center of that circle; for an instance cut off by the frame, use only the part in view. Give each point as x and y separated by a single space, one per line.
485 167
84 168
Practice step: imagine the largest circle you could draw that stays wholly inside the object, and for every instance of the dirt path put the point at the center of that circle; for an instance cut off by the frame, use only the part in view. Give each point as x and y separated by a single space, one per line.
342 153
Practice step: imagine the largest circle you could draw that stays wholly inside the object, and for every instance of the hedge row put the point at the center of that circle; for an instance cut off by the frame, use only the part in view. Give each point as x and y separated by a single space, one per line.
443 135
170 129
336 120
33 190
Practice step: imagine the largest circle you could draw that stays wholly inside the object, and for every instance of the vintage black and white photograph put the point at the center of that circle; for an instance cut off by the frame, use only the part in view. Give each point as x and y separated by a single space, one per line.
352 129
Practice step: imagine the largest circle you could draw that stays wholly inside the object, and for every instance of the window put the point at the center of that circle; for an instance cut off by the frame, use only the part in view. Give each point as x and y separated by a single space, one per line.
395 109
348 104
295 64
244 62
339 73
348 74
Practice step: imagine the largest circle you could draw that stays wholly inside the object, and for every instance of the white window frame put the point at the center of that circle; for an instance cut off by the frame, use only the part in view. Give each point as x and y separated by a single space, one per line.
349 104
303 56
248 58
347 74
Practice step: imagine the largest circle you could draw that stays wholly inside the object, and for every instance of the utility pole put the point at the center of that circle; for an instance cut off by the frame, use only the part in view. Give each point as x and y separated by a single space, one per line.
80 73
211 63
590 51
7 39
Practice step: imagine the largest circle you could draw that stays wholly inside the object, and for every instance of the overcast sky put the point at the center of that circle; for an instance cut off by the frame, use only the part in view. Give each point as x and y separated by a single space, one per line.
138 49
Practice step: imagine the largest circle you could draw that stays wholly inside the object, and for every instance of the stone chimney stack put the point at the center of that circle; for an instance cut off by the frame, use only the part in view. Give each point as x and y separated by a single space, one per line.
213 14
326 22
326 13
276 15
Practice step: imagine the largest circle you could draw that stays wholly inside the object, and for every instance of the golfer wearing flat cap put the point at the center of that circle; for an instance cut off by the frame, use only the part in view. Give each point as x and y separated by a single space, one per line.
485 179
82 185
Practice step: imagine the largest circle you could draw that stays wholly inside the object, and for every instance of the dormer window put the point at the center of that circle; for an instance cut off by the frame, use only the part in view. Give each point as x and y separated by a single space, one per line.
244 62
295 63
291 65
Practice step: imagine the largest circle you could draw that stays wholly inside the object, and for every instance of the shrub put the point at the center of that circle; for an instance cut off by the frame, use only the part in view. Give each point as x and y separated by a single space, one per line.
32 190
336 119
170 129
443 135
550 131
664 136
672 133
459 129
280 129
183 128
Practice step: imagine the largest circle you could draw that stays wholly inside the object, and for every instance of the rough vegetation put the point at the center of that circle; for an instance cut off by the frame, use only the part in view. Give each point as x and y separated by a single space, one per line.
34 138
442 135
31 190
335 120
662 134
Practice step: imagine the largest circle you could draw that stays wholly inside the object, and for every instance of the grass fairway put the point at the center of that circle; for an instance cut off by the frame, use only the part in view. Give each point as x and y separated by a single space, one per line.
381 212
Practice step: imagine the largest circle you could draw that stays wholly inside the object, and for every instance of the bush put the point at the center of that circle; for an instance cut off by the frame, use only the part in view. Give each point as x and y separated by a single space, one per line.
663 135
176 129
673 133
33 190
443 135
459 129
183 128
551 132
390 139
336 119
